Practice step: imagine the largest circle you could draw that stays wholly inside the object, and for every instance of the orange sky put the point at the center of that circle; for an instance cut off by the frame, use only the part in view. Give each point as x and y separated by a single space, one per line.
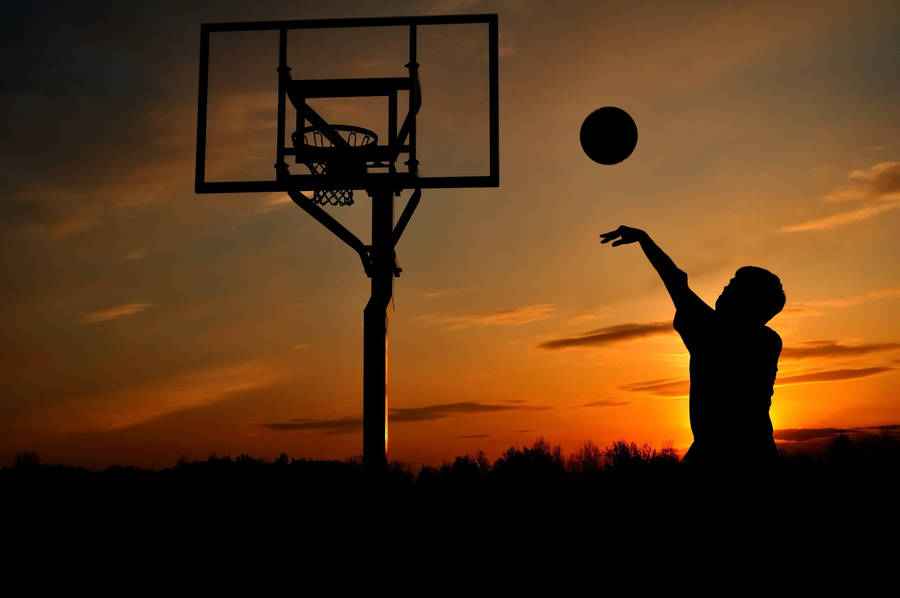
142 322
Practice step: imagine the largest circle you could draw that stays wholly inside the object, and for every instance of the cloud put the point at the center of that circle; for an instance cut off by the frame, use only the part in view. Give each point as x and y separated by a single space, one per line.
669 387
448 409
53 210
608 335
505 317
114 89
133 406
666 387
878 188
889 293
345 425
837 220
881 181
803 434
833 349
59 209
114 313
350 425
606 403
807 434
832 375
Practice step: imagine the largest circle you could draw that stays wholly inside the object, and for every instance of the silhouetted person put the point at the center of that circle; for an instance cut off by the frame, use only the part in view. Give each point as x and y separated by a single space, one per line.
734 357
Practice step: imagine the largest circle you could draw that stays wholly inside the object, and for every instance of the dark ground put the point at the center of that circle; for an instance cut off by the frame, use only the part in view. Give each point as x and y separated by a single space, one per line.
626 503
850 468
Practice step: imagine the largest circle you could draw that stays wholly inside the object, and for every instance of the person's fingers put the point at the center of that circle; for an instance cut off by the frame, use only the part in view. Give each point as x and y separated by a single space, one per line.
619 242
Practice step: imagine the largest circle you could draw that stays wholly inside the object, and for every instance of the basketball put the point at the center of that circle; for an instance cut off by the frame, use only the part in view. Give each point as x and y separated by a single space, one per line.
608 135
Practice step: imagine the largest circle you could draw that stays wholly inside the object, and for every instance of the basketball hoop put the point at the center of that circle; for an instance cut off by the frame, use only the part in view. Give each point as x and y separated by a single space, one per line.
332 160
316 145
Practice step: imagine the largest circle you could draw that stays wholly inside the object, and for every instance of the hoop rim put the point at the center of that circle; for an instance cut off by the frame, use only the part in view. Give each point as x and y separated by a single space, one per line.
372 135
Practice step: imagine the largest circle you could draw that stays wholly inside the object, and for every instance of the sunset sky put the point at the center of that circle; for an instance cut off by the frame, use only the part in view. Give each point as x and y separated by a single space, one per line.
142 322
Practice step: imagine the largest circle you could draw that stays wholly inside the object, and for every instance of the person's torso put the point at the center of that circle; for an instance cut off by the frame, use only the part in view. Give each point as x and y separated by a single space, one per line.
732 376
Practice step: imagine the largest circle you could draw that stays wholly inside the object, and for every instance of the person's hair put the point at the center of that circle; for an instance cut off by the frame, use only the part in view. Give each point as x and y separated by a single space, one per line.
766 295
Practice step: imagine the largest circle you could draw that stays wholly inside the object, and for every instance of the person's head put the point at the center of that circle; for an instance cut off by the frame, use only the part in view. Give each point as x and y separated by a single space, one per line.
753 296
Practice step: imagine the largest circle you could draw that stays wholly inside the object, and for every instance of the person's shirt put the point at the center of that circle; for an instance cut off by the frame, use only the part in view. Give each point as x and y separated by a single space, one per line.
732 367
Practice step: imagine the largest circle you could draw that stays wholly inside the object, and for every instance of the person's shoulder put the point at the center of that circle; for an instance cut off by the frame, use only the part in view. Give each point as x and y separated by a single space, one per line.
691 310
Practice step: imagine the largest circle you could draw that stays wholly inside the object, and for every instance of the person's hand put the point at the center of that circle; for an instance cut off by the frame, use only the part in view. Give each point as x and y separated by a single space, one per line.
623 235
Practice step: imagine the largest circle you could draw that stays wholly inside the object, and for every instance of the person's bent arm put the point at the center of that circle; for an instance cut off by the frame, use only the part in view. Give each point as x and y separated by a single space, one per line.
674 279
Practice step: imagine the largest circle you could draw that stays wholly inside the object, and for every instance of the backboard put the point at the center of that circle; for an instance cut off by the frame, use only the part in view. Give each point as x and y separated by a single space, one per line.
412 100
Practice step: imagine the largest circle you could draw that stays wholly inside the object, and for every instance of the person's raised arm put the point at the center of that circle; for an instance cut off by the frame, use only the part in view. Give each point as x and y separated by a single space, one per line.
674 279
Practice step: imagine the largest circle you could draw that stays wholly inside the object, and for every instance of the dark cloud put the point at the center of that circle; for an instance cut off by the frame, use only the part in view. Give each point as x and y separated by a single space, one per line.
666 387
805 434
608 335
879 181
94 93
810 434
669 387
350 425
96 109
884 178
832 375
606 403
833 349
448 409
80 78
346 425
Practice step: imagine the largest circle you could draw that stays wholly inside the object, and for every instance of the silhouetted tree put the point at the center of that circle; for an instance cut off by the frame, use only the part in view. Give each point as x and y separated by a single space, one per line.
587 459
26 460
540 463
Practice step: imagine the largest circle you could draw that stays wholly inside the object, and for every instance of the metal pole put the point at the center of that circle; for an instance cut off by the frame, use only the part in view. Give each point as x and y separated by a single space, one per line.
375 336
200 168
283 70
